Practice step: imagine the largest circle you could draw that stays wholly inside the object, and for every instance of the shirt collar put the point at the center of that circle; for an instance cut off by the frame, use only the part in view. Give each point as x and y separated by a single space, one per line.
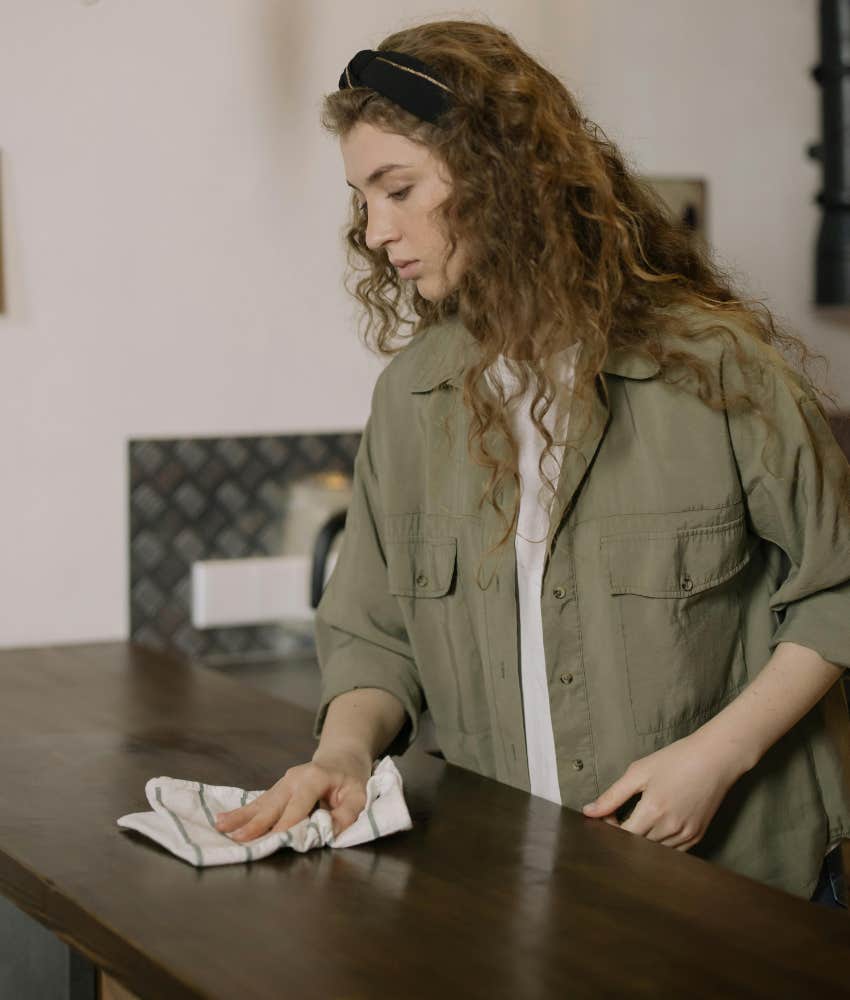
454 348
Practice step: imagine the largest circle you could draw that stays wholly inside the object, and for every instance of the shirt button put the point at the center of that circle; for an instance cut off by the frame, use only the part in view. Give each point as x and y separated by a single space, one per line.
578 764
687 583
559 592
422 580
566 678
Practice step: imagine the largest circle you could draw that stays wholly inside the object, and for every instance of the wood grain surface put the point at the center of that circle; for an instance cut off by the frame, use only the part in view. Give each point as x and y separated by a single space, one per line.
493 893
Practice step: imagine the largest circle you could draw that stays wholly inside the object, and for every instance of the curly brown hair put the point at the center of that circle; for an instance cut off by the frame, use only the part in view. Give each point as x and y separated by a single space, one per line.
562 237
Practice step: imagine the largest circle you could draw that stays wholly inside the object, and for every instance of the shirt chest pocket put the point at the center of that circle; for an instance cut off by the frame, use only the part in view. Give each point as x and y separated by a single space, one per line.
677 602
424 575
421 567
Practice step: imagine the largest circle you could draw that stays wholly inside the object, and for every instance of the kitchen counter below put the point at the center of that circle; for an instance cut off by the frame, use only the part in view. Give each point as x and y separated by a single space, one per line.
297 680
493 892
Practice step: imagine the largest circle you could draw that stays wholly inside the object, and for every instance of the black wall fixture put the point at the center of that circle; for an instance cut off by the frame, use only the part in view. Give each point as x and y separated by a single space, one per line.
832 269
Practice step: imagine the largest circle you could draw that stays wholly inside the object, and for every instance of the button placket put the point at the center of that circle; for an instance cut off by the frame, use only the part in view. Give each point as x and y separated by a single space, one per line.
570 718
500 637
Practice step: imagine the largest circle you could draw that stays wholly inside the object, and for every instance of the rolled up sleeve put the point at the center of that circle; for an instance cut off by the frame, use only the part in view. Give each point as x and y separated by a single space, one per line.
798 498
361 639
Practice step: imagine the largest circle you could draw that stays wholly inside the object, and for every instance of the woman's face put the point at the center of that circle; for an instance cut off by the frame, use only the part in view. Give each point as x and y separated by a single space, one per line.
397 203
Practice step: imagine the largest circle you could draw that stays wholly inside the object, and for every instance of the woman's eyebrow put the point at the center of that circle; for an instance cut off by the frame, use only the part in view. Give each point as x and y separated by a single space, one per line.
376 174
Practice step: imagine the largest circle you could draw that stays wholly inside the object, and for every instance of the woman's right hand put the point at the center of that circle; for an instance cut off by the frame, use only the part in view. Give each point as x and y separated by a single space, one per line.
334 779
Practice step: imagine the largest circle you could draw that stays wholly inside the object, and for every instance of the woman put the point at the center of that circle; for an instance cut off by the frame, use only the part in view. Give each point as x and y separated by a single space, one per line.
682 597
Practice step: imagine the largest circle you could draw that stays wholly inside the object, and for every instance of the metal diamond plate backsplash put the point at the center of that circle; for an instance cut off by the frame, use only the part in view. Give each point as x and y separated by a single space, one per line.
214 498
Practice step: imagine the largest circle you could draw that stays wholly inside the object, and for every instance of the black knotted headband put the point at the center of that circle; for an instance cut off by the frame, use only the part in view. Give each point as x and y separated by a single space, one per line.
407 81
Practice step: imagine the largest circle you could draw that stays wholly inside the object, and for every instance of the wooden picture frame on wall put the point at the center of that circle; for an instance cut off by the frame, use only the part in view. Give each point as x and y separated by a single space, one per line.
686 197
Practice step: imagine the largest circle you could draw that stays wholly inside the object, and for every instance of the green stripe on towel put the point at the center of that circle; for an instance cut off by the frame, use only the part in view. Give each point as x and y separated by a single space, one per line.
207 812
198 855
375 829
211 819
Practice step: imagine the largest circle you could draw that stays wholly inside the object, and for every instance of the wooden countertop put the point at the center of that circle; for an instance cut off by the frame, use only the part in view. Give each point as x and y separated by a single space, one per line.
493 893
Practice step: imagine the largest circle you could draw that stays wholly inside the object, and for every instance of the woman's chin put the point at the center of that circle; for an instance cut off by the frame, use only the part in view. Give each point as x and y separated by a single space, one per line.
422 288
429 291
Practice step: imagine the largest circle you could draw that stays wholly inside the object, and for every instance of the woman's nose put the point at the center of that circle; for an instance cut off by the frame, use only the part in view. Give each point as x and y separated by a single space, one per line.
380 230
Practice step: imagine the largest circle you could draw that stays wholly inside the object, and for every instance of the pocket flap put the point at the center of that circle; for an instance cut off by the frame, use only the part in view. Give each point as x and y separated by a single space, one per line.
676 564
421 567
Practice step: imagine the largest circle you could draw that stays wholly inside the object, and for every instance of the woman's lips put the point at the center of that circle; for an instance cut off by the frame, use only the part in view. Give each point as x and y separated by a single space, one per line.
407 270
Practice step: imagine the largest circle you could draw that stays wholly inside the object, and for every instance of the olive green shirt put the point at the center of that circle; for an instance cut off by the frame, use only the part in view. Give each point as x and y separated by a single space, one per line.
676 561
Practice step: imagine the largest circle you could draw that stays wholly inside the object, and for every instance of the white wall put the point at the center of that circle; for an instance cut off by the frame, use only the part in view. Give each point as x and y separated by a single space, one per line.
172 215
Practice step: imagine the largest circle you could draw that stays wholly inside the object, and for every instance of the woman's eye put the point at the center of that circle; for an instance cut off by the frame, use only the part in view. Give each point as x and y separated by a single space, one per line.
397 195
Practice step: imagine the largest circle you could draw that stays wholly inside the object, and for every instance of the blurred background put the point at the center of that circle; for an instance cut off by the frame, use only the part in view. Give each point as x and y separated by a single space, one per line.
181 380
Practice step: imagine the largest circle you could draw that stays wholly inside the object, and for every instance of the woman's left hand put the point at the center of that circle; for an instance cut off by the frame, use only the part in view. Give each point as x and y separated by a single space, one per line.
681 786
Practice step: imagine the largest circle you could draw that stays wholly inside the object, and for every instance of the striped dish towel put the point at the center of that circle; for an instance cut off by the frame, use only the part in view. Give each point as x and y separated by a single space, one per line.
183 819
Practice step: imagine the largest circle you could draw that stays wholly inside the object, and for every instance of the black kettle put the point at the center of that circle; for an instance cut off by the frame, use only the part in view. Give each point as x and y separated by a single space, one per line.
324 540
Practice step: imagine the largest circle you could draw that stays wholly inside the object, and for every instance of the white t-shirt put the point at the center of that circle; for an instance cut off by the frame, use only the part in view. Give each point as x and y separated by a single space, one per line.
532 531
